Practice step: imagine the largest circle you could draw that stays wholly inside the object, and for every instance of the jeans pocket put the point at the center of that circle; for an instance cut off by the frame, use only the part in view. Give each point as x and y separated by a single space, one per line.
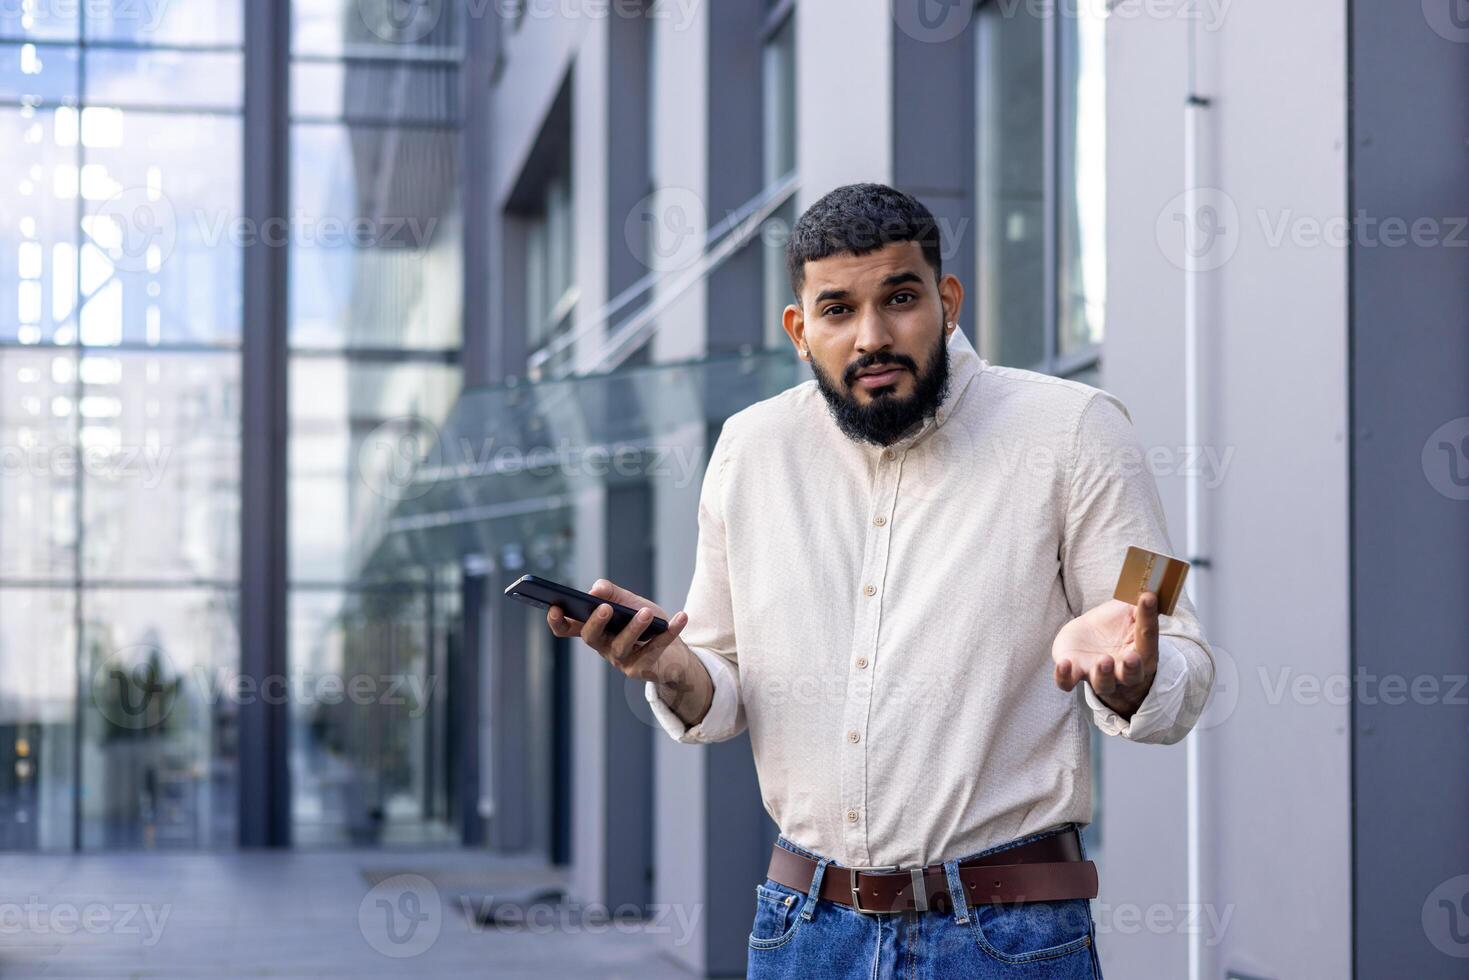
1025 932
777 915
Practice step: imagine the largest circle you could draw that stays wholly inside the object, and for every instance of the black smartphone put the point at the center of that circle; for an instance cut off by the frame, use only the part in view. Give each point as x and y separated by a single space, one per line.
576 604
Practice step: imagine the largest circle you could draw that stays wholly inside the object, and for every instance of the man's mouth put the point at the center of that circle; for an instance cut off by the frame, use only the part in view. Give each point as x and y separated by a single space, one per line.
878 377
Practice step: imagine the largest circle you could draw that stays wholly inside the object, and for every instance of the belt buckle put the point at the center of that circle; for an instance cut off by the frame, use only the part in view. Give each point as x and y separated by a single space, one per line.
920 888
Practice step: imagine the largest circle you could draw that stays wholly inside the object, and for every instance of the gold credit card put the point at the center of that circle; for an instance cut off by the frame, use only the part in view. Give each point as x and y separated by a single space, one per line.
1148 571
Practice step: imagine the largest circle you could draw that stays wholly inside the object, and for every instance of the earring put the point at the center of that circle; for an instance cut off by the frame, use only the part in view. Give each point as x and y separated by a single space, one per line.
806 353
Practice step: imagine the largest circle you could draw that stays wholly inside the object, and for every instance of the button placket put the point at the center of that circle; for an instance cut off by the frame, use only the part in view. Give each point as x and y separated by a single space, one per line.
857 711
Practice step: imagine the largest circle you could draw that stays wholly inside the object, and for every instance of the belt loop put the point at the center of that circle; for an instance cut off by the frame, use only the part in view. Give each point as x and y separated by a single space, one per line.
815 892
956 892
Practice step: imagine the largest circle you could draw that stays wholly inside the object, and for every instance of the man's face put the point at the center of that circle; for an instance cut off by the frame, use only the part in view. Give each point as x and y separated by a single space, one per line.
877 329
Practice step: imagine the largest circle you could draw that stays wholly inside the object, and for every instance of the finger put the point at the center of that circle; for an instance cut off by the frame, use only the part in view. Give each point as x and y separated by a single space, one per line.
1066 677
1103 676
612 592
1129 668
1145 630
623 642
594 630
642 662
561 625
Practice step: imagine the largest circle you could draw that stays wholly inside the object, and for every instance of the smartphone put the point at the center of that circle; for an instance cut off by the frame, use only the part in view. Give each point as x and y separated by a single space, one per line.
576 604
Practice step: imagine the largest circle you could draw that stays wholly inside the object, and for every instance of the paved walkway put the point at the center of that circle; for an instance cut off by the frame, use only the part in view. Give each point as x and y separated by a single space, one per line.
306 915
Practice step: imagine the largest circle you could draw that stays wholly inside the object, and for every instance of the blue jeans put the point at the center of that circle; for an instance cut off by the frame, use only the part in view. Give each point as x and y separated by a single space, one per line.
796 934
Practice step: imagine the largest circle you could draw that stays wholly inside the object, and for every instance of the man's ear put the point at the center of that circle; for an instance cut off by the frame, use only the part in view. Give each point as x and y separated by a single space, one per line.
951 293
794 322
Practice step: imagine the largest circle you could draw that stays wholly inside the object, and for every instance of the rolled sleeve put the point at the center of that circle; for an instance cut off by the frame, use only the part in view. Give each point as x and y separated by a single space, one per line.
722 721
1164 711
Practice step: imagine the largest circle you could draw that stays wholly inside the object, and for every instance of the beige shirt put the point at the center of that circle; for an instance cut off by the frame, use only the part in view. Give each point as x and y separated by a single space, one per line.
881 618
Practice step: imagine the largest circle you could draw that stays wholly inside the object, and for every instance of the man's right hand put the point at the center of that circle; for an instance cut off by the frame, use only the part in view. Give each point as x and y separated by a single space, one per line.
683 682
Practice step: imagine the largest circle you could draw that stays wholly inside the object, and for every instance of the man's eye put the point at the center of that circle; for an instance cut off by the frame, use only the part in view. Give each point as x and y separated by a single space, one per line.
834 310
903 298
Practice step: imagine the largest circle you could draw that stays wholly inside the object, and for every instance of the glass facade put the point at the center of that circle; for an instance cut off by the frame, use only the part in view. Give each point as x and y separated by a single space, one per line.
374 331
122 246
120 326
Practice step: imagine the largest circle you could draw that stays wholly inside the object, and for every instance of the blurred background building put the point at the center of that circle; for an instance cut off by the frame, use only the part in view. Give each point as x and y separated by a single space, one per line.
321 321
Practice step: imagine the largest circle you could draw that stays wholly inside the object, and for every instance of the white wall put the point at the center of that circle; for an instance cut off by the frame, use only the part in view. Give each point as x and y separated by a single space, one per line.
844 72
1275 867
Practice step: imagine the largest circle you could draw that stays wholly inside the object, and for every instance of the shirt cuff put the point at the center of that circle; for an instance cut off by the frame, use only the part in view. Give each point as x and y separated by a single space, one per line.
1159 710
720 720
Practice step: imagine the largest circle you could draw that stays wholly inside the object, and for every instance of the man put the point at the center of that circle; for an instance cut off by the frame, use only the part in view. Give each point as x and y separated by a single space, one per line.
903 589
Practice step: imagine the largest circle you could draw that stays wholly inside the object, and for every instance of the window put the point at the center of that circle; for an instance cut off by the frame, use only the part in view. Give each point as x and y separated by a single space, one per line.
778 94
550 286
123 251
374 332
120 330
1040 187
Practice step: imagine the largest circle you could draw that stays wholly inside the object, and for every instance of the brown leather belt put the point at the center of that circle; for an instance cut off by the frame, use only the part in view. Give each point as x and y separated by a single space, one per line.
1045 870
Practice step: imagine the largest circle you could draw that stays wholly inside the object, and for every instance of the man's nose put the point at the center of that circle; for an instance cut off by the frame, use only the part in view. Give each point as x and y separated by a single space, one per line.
873 333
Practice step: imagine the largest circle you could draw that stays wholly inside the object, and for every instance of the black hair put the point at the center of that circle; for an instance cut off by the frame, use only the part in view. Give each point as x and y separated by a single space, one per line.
857 219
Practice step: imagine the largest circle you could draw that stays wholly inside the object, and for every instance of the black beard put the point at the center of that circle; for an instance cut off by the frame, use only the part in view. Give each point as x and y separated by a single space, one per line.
887 417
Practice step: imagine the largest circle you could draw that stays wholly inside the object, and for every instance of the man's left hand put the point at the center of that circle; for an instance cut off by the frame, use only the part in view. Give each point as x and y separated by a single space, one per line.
1114 648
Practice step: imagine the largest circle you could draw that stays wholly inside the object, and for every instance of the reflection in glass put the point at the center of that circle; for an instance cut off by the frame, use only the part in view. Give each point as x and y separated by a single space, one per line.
1082 277
376 237
197 22
159 718
37 713
38 261
377 28
779 110
181 79
31 74
1010 199
390 92
41 21
160 439
357 428
38 464
550 261
369 760
374 326
161 250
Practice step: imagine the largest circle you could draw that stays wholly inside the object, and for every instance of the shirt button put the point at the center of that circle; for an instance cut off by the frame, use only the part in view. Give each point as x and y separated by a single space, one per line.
853 737
869 590
887 454
879 520
861 663
851 816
